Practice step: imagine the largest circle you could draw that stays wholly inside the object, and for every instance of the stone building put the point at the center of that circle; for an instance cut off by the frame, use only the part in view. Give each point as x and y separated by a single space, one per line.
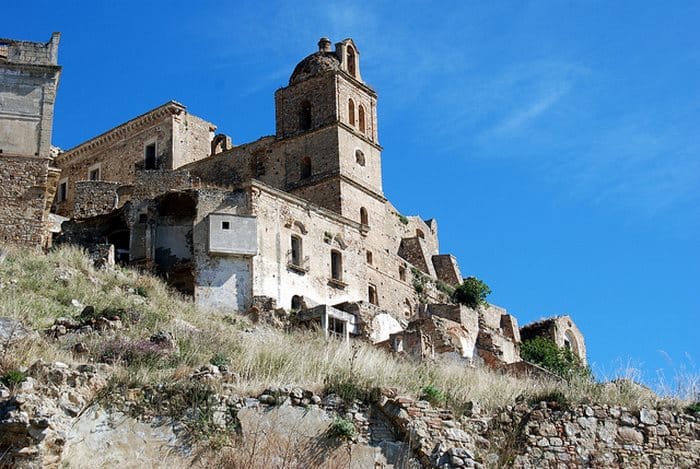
29 74
561 330
294 221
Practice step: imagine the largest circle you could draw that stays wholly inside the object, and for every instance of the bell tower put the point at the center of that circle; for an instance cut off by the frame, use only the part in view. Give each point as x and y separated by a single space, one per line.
327 116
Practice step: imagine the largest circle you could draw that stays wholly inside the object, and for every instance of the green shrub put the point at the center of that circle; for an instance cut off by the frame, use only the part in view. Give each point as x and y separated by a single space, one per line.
693 408
433 395
219 359
342 428
419 280
472 292
13 378
402 219
548 355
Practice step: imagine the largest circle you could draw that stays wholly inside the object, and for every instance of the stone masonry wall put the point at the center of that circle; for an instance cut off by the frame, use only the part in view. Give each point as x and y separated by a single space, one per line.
22 200
596 436
94 198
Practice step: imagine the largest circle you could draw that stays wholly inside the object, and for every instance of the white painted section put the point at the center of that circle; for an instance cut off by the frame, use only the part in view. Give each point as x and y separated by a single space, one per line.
224 283
232 234
383 325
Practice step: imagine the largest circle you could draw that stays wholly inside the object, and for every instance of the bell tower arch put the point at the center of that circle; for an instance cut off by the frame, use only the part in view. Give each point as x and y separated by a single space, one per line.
327 118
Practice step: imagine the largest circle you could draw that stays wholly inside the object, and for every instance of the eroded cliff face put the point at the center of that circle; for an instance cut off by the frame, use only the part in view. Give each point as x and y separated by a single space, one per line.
64 416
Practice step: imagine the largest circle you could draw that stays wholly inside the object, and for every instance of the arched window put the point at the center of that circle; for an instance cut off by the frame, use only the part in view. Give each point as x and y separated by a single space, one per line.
420 233
351 112
364 219
402 273
296 303
305 116
352 69
407 309
336 265
360 157
305 167
361 118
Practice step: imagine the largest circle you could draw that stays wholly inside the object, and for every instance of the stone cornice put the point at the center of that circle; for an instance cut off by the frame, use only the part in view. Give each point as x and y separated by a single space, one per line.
127 128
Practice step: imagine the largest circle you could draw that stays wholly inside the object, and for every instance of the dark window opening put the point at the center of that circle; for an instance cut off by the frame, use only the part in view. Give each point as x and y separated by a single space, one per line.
94 174
150 156
369 257
351 112
420 233
407 309
336 265
352 69
336 327
225 225
361 118
305 167
364 218
372 295
402 273
143 218
62 192
296 250
296 303
360 157
305 116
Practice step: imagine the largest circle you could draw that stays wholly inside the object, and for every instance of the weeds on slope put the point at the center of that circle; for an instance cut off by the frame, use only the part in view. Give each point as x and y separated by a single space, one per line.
37 289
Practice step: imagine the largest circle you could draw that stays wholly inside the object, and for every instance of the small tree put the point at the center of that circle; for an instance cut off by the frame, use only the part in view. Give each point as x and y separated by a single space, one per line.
548 355
472 292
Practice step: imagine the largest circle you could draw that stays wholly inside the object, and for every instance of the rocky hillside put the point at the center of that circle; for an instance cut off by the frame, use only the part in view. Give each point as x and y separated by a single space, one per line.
106 366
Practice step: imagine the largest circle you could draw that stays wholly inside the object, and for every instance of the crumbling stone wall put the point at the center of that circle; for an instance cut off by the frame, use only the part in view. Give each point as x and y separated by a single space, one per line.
94 198
23 200
594 436
120 152
561 330
148 184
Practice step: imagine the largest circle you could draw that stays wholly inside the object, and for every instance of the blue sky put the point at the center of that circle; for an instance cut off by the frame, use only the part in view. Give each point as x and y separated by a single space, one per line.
557 143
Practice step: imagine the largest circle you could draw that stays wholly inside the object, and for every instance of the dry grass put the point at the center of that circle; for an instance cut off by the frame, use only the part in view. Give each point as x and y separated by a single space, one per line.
39 288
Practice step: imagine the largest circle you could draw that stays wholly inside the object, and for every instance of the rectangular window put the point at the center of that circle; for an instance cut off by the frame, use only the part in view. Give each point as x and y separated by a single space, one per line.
372 295
225 225
336 327
62 195
149 156
336 266
94 173
296 251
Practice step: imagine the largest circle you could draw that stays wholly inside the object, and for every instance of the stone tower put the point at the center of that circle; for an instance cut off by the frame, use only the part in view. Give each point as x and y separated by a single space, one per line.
327 117
29 76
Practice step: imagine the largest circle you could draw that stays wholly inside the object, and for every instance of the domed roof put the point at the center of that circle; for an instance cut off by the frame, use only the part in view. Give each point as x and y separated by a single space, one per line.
313 65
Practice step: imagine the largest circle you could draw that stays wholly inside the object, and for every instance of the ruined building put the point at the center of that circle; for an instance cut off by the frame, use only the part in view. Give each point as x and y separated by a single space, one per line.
294 221
29 76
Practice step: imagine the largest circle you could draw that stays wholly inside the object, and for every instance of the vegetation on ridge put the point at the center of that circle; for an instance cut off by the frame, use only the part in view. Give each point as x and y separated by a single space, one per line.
37 289
562 362
472 292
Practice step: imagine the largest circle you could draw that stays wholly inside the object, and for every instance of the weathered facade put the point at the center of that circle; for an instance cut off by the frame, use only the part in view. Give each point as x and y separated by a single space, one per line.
29 75
561 330
297 221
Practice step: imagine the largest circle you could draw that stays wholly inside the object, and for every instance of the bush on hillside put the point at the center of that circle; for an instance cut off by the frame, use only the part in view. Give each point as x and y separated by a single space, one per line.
472 292
548 355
